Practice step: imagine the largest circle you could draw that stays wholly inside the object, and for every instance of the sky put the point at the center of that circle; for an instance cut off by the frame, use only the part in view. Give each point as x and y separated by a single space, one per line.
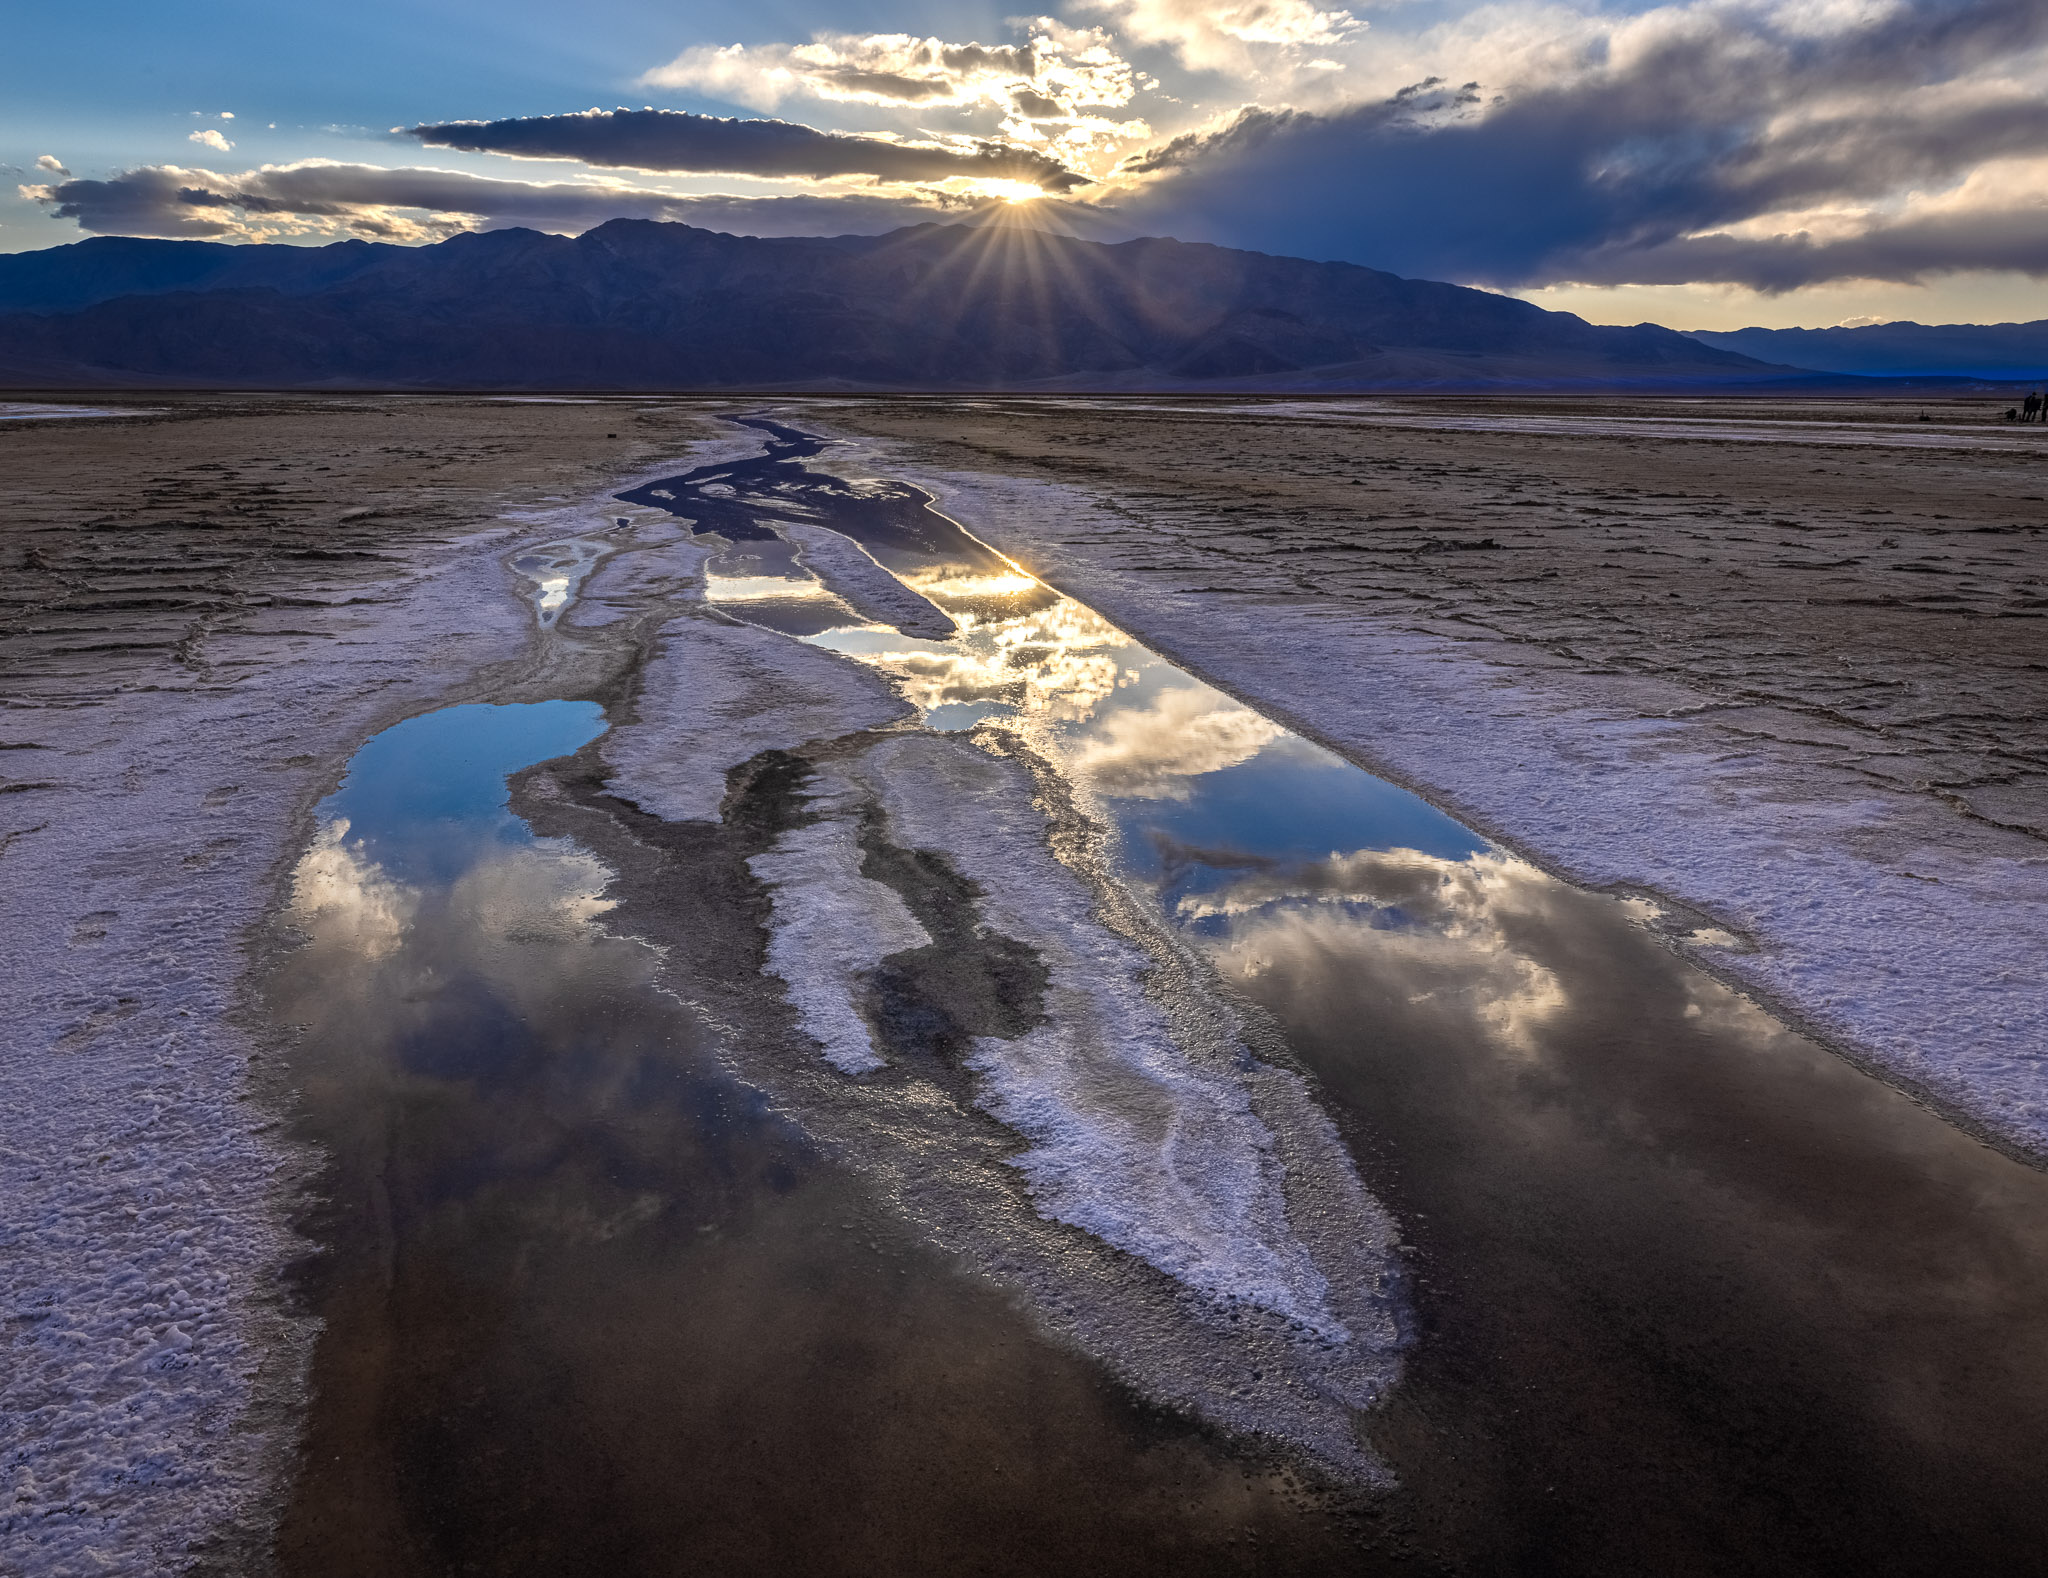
1706 164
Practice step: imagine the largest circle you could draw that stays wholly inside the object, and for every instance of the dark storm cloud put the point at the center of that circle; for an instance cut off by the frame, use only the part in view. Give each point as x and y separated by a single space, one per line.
1724 115
675 141
165 200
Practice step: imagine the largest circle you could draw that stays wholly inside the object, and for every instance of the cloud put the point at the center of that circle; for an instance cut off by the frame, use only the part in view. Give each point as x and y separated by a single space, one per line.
408 205
1062 69
1906 252
1771 144
673 140
1051 89
51 163
1704 141
1444 942
211 139
340 895
1233 36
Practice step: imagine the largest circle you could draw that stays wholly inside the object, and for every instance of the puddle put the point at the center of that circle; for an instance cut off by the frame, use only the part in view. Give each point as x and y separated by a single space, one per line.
1690 1294
1695 1292
590 1305
558 571
30 411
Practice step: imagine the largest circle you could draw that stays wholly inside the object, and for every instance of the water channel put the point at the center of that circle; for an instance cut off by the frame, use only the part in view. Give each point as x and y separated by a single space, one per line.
1676 1289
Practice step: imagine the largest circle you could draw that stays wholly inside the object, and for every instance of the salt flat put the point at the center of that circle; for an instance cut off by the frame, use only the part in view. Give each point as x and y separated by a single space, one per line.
1772 675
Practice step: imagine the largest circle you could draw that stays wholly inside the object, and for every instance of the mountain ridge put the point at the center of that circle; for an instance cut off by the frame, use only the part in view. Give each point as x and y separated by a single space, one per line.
641 304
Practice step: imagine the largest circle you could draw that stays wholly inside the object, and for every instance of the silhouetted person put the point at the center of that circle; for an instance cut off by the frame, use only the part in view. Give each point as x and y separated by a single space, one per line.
2030 407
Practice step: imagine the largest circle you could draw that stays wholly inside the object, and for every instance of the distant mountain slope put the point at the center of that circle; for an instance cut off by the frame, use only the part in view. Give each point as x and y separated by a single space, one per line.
1902 350
642 305
103 268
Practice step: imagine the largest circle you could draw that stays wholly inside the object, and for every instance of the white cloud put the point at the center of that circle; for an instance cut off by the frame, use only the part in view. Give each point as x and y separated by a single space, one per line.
1150 753
51 163
1236 37
211 139
1056 71
1051 89
1459 951
339 895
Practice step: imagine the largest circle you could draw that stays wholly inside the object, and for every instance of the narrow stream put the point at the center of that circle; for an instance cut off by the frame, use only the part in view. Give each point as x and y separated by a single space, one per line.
615 1282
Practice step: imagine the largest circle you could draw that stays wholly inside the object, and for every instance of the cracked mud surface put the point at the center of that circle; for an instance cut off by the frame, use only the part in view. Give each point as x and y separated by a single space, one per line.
166 548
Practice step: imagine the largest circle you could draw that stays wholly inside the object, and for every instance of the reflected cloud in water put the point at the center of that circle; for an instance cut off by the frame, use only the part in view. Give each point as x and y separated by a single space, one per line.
1443 937
1150 753
1050 664
1686 1268
344 900
350 909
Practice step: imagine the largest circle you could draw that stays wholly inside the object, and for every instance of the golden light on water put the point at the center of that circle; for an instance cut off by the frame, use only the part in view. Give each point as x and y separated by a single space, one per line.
936 583
754 588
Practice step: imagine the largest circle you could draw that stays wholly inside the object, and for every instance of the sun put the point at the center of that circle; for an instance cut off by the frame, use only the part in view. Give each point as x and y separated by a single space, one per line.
1007 191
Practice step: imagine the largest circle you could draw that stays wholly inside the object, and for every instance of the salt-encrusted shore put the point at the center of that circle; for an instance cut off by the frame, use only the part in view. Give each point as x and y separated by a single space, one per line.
1903 930
141 1180
186 681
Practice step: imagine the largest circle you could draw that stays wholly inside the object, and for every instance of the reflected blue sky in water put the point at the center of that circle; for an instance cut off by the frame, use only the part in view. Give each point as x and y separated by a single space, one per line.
425 798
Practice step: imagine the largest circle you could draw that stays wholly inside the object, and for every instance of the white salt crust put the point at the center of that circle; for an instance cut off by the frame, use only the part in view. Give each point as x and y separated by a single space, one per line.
1190 1217
1603 778
144 1219
871 591
831 926
715 695
1132 1140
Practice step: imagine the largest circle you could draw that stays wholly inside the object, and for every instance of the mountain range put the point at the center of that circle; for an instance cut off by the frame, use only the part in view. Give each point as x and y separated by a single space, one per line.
638 304
643 305
1998 351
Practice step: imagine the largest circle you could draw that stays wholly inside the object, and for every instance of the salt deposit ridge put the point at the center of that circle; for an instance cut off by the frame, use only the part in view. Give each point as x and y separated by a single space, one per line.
1152 1130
